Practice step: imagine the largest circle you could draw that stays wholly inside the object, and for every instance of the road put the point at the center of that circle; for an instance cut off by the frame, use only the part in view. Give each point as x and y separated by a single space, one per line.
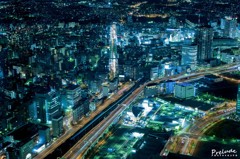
116 96
75 128
196 130
92 136
228 79
82 146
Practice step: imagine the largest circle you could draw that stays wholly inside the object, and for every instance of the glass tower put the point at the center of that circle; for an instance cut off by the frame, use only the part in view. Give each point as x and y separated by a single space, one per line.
113 60
205 39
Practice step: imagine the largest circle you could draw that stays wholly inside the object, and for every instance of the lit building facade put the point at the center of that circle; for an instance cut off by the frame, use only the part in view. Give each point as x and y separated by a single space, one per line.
113 59
205 40
79 110
44 134
57 125
151 90
73 95
184 90
47 105
77 113
229 27
189 55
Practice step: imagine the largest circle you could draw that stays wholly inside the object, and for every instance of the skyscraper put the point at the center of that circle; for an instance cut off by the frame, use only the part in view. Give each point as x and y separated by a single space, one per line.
113 59
204 40
48 105
73 95
189 55
57 125
229 26
3 61
238 102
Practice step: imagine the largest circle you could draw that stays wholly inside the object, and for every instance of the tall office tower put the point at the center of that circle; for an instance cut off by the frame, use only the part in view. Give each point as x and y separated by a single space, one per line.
229 26
57 125
3 69
113 59
44 134
48 105
3 62
189 55
73 95
172 22
204 40
238 102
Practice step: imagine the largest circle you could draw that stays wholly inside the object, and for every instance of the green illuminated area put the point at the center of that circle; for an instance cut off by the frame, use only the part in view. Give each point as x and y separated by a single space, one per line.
171 117
29 82
119 144
145 137
155 126
203 101
94 61
210 99
71 59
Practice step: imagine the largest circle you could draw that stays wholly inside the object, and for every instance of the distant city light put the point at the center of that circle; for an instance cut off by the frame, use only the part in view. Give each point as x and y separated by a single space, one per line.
137 135
167 66
40 148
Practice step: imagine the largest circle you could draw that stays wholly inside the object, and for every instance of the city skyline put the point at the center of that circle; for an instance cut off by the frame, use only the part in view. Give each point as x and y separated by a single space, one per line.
119 79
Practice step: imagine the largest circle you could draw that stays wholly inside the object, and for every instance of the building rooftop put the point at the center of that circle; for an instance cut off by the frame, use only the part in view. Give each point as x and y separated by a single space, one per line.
151 84
184 84
25 132
72 87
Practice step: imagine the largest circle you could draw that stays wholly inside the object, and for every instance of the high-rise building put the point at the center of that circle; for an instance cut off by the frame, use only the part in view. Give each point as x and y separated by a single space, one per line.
92 105
204 40
113 85
229 27
113 59
48 105
156 72
94 86
77 113
57 125
172 22
189 55
81 109
73 95
105 90
184 90
44 134
166 87
3 61
238 102
151 90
